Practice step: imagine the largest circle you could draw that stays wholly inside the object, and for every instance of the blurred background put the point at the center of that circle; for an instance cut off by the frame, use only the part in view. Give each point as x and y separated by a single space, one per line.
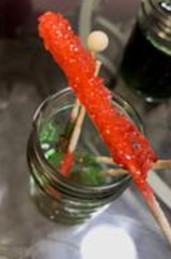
21 49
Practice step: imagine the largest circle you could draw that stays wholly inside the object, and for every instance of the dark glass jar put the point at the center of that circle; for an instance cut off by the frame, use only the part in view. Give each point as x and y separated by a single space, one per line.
88 188
146 62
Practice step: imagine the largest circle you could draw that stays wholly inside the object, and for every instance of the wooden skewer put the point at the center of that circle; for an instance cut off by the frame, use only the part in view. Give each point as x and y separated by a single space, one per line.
154 207
75 111
77 130
160 218
162 164
159 165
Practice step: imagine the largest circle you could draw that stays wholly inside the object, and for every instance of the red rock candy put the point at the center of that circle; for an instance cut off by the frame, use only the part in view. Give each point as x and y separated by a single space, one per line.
128 147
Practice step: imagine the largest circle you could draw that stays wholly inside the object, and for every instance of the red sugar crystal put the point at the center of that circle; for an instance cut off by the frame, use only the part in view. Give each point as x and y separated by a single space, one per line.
66 164
128 147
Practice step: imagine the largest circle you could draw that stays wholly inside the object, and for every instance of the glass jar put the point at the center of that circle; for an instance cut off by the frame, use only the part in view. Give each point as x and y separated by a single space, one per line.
89 187
146 62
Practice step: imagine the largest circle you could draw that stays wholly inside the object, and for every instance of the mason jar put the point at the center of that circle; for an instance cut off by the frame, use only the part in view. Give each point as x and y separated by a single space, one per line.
90 186
146 61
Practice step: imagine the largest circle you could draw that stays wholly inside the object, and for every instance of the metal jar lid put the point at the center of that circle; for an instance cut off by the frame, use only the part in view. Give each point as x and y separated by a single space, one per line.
155 20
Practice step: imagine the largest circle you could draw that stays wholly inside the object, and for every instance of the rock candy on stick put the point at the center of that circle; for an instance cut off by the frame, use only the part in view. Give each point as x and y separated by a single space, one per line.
97 42
127 146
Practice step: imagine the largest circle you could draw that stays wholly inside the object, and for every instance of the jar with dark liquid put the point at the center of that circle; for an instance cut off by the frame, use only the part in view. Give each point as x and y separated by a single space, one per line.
146 63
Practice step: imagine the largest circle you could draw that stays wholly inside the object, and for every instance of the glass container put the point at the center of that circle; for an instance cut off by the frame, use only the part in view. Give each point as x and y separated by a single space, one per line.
89 187
146 62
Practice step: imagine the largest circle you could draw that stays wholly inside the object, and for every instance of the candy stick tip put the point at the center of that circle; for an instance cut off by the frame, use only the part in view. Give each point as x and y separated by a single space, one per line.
97 41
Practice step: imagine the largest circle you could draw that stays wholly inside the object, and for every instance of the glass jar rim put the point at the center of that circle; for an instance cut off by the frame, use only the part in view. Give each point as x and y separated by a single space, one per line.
154 18
55 175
